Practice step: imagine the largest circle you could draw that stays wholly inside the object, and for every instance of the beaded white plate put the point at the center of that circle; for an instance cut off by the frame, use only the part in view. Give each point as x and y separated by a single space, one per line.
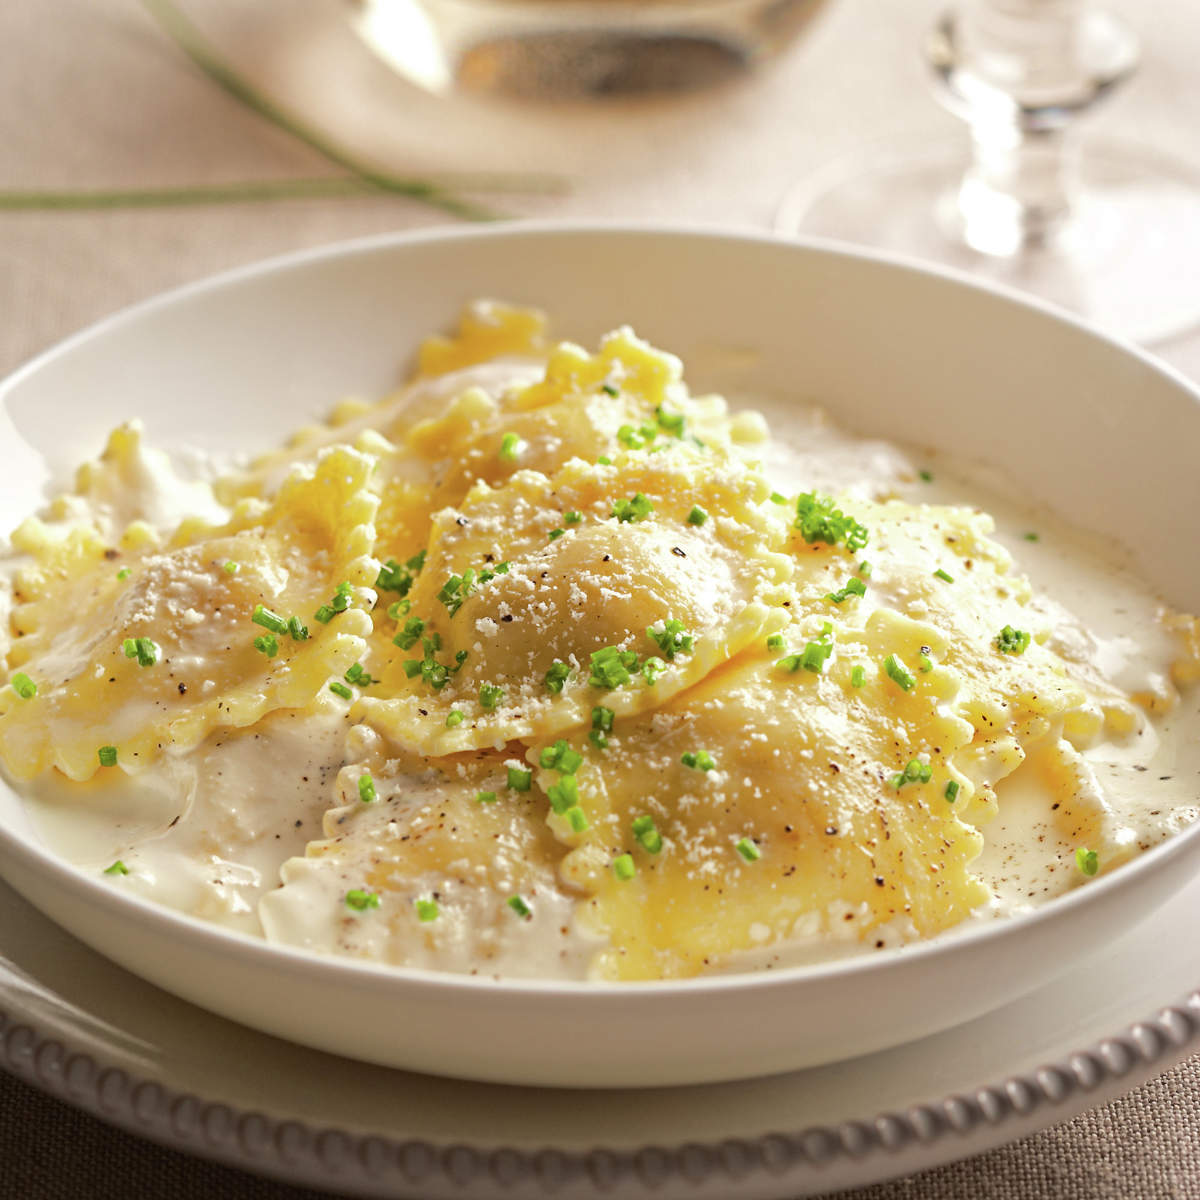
84 1030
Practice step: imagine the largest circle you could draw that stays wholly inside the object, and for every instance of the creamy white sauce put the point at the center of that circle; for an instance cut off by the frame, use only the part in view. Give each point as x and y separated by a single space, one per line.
208 832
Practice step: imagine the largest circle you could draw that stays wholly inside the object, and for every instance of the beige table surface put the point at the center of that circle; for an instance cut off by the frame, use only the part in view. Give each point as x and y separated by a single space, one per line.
91 95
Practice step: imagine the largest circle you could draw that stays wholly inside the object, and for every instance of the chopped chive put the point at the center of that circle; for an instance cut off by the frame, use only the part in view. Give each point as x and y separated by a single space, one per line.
775 641
560 757
858 676
399 608
698 760
915 772
576 818
511 446
486 797
410 634
519 779
518 905
602 718
778 498
672 638
298 630
557 675
107 756
340 689
865 569
647 835
748 850
564 794
454 719
604 461
630 438
360 899
697 516
268 644
610 389
357 674
943 575
819 521
24 686
597 739
366 788
636 508
129 645
668 422
611 667
926 663
324 614
572 518
490 696
1088 861
927 476
815 655
555 534
124 573
230 567
951 792
623 867
854 587
412 667
1032 537
117 868
1011 641
427 910
269 620
899 673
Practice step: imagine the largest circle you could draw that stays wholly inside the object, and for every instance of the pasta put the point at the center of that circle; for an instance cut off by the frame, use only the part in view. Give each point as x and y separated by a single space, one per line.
587 695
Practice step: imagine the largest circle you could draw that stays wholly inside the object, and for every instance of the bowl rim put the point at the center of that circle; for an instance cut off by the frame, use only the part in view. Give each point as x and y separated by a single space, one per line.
378 976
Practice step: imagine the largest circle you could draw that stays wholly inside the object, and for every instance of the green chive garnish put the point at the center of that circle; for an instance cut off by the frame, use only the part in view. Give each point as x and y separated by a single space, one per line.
1012 641
611 667
107 756
340 689
129 645
610 389
854 587
268 644
915 772
146 651
124 573
636 508
698 760
557 676
672 638
486 797
454 719
819 521
564 794
24 686
647 835
748 850
697 516
490 696
269 620
298 630
519 779
927 476
952 791
555 534
858 676
576 818
366 788
623 867
572 518
926 663
943 575
230 567
775 641
117 868
518 905
1088 861
672 423
409 635
865 569
511 446
360 899
560 757
1033 537
899 673
427 910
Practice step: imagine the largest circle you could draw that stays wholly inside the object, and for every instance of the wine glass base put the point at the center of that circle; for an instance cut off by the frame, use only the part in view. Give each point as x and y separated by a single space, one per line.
1126 259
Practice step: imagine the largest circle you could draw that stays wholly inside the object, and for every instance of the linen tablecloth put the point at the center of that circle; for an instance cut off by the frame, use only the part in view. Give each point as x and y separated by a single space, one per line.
93 95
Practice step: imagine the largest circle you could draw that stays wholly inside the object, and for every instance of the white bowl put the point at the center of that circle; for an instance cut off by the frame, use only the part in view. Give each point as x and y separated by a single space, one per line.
1083 424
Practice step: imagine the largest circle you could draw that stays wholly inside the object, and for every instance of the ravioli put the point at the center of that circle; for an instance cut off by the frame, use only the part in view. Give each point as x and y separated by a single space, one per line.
154 659
540 599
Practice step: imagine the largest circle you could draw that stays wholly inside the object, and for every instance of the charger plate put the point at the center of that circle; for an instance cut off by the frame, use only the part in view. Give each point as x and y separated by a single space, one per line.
88 1032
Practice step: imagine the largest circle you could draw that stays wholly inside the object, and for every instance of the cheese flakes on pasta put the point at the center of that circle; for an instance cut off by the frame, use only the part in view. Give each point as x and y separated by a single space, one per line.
192 615
500 601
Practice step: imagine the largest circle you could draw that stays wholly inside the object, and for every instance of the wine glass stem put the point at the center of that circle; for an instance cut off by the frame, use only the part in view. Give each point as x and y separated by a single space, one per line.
1020 73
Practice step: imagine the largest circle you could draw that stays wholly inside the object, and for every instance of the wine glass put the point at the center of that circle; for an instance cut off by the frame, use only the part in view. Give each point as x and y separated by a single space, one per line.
1112 233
